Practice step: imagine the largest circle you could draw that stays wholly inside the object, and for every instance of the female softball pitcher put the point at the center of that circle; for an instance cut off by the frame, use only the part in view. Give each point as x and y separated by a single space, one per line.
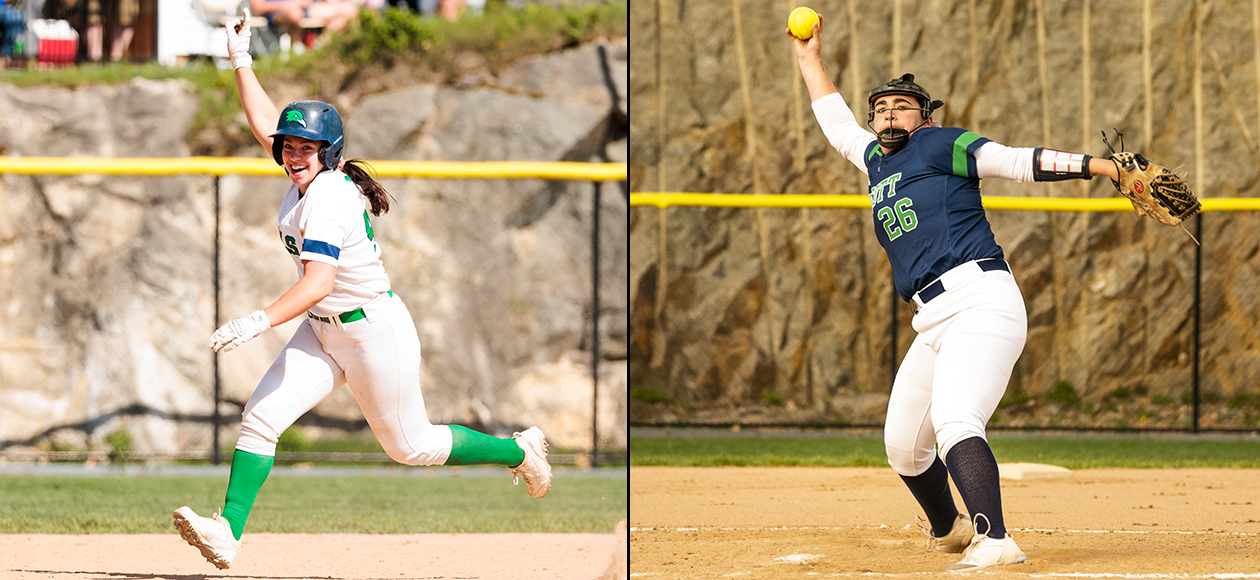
925 196
356 330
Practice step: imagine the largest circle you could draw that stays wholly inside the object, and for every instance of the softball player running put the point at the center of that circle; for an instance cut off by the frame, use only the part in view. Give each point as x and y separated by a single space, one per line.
356 331
968 311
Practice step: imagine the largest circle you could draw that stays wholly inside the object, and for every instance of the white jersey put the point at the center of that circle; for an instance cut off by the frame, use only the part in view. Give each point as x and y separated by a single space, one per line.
330 224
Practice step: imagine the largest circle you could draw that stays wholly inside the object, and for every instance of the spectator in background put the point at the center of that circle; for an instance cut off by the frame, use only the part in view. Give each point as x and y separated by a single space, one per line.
125 29
11 28
450 9
421 7
89 24
32 10
288 15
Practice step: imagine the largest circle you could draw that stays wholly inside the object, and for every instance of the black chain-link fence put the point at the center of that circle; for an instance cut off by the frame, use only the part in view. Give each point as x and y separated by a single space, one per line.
112 286
787 317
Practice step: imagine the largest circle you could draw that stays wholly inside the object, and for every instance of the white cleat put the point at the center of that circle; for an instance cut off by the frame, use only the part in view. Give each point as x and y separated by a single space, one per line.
534 469
212 535
985 552
952 543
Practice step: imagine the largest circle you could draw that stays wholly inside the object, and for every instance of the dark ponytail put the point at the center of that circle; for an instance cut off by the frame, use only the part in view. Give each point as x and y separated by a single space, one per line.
358 170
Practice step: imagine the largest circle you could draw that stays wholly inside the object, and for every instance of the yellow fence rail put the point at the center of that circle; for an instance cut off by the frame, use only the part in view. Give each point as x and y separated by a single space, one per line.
663 200
258 166
219 166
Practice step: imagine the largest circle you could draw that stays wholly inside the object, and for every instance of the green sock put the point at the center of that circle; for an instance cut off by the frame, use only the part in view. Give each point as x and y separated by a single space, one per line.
469 447
249 471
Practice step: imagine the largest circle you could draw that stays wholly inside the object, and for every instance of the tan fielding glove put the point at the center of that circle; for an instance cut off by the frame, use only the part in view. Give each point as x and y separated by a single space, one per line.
1155 191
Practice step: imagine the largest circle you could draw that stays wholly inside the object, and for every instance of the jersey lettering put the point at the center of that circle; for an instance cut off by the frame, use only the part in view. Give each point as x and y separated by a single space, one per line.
899 218
290 244
888 185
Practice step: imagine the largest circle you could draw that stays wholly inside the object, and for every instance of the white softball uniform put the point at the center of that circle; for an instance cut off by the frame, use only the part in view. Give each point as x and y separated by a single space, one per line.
925 200
330 224
956 370
360 335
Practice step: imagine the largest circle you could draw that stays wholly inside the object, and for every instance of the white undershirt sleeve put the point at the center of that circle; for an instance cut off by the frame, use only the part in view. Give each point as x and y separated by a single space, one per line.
842 129
997 160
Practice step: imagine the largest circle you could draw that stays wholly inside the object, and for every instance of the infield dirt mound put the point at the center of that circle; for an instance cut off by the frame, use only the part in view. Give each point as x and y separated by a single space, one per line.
803 522
311 557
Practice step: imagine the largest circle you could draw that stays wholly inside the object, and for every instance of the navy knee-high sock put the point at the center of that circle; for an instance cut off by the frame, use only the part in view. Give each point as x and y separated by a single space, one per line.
975 472
931 488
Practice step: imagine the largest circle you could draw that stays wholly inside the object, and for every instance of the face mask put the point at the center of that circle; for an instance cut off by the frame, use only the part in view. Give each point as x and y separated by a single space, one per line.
892 139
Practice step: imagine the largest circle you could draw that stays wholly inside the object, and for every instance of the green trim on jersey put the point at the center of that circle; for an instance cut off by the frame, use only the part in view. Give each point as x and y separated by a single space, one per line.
875 151
960 153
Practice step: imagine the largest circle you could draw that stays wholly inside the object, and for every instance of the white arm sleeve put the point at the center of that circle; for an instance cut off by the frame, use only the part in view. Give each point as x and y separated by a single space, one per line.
996 160
842 129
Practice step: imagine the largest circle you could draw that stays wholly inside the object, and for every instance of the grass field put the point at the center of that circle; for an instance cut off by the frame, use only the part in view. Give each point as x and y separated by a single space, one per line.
1072 453
386 505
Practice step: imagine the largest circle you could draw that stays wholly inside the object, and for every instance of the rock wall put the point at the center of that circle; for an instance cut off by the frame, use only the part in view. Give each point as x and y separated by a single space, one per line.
789 313
108 282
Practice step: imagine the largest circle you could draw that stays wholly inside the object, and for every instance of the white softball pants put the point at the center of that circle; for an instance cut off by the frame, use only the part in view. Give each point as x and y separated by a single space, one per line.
378 357
956 370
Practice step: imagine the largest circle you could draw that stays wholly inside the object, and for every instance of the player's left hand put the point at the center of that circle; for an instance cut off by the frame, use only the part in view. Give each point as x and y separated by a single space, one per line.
1156 191
239 331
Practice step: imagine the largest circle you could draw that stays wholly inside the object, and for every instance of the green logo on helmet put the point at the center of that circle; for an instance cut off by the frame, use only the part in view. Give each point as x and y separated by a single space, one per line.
294 116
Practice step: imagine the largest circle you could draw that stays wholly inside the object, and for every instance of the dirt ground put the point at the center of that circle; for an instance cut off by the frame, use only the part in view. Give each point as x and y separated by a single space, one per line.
311 556
802 522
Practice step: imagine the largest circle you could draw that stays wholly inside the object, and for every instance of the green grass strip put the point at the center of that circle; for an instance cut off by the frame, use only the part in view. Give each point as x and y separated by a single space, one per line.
1071 453
360 505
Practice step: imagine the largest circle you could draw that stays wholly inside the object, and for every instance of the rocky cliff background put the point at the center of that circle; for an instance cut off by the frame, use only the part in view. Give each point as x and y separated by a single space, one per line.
107 283
787 315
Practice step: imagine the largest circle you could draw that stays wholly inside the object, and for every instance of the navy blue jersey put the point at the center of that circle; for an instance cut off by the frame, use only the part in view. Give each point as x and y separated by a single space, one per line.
926 201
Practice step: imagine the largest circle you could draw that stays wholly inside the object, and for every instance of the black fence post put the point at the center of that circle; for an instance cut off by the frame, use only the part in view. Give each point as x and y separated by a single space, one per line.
595 332
1198 301
214 453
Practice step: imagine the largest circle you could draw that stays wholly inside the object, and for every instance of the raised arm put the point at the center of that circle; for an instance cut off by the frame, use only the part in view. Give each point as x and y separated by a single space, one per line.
833 114
809 56
259 110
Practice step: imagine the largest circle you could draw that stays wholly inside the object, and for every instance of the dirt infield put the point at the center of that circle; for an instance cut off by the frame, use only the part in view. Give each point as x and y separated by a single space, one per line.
312 556
802 522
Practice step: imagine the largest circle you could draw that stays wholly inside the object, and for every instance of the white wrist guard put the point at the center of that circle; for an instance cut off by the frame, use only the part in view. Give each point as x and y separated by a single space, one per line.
1051 165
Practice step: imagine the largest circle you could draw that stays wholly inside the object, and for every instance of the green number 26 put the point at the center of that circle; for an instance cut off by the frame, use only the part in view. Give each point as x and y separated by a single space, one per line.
899 214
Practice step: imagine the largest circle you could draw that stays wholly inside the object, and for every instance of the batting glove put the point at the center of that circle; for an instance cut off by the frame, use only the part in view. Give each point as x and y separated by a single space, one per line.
239 331
238 32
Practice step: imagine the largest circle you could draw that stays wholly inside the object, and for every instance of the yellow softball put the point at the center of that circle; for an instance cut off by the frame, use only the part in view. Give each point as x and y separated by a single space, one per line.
801 22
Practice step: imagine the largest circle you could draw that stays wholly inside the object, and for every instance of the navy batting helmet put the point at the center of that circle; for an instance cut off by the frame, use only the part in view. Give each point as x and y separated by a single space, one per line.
314 120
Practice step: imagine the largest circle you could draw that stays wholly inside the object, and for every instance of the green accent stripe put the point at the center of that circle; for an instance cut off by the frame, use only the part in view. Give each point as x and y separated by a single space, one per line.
875 151
960 153
353 315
